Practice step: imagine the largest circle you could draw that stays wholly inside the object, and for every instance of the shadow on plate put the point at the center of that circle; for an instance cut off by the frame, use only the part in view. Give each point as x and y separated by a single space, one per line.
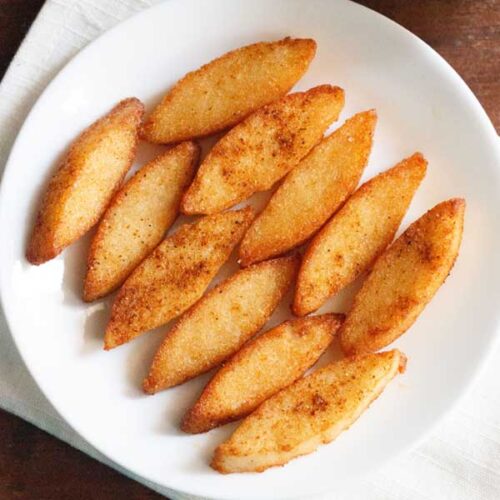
75 268
94 327
138 360
180 399
204 446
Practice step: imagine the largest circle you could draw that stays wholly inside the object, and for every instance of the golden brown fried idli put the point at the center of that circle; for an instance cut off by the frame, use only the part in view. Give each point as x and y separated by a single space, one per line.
261 368
226 90
220 323
312 191
83 185
404 279
137 219
312 411
357 234
175 275
262 149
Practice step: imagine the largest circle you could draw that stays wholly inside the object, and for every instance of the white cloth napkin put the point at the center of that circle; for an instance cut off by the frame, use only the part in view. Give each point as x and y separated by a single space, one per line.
460 460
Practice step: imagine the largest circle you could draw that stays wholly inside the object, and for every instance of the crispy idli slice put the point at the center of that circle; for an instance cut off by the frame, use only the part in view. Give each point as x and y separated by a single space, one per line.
137 219
404 279
312 411
86 180
226 90
357 234
312 191
262 149
261 368
175 275
220 323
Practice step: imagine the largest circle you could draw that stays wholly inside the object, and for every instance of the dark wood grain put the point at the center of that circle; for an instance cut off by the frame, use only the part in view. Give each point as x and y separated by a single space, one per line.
16 17
465 32
36 465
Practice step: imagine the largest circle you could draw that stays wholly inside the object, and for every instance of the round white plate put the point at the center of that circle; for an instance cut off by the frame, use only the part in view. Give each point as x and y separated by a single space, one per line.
422 105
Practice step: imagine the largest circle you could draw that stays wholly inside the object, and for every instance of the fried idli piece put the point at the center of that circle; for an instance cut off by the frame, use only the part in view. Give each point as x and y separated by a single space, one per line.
261 368
312 191
404 279
262 149
226 90
83 185
175 275
312 411
137 219
220 323
357 234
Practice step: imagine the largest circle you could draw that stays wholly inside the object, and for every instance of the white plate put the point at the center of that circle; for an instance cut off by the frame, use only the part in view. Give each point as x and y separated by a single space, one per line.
422 105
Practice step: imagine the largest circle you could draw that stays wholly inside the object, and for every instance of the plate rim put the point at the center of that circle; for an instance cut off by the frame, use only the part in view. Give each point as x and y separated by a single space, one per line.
8 171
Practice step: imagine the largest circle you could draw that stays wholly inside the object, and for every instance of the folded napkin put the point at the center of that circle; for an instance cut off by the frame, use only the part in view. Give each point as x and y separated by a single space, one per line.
461 460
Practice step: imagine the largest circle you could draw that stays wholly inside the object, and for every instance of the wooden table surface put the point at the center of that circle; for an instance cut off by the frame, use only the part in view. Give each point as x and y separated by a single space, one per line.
34 465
